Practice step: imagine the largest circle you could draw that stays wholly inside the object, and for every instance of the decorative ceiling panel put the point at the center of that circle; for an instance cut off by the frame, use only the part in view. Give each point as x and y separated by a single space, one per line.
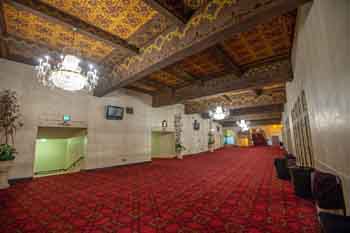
39 30
119 17
263 41
204 65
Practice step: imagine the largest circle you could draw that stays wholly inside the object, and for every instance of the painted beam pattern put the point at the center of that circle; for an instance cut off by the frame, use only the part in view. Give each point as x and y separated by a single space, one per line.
269 74
215 23
52 13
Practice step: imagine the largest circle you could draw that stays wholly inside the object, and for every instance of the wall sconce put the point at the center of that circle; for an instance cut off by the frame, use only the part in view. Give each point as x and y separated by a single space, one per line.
164 124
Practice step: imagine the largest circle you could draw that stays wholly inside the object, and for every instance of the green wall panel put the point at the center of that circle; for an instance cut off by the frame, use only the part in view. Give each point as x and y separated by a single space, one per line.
58 154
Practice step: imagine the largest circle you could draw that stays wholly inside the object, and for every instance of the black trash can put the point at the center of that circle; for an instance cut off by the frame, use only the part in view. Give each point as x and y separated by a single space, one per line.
301 179
282 168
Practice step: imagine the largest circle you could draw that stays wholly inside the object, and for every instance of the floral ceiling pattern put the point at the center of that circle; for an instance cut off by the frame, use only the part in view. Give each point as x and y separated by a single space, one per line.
266 40
119 17
28 26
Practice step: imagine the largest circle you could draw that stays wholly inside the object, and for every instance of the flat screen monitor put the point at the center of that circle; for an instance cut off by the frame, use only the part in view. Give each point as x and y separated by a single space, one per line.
114 113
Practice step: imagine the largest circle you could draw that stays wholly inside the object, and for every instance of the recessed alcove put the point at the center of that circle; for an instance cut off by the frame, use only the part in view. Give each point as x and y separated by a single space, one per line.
163 144
59 150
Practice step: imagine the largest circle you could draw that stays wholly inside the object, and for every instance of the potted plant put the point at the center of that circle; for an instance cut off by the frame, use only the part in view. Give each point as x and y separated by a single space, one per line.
211 142
10 122
179 148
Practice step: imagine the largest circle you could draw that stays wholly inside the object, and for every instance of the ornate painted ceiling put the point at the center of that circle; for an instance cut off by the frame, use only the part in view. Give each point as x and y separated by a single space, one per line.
270 41
263 41
157 46
28 26
130 20
119 17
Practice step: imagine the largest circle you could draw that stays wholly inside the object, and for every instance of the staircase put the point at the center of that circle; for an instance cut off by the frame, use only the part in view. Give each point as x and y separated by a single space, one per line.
74 167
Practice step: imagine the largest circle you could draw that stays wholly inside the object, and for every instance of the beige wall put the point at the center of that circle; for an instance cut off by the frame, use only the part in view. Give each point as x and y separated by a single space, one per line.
321 65
110 143
195 141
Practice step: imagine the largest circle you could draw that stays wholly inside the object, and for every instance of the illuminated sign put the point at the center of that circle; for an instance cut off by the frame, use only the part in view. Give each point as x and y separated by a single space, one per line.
66 118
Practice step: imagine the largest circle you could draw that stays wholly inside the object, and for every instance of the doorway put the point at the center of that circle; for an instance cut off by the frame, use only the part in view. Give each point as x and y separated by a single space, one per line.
163 145
59 150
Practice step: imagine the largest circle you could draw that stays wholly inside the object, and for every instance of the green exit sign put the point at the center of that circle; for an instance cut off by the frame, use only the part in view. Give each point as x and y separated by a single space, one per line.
66 118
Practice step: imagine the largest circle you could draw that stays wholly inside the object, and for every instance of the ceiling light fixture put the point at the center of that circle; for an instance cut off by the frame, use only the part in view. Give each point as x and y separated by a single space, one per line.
243 125
219 114
66 73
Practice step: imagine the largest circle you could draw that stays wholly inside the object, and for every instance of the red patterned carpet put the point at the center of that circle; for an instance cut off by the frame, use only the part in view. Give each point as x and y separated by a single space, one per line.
231 190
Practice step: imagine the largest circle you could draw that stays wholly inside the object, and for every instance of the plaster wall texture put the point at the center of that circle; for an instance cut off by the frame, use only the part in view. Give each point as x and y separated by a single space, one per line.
321 67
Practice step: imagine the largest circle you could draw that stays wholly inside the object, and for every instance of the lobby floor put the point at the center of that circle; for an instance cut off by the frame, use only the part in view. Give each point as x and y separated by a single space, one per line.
230 190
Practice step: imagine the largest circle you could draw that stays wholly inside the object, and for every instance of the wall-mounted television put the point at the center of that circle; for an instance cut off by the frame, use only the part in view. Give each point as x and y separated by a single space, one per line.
114 112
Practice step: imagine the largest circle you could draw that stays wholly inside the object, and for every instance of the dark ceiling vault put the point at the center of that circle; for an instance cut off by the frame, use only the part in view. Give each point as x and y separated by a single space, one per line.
199 53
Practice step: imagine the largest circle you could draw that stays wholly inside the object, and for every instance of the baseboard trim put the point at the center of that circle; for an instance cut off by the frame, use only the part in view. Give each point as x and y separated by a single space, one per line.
163 158
19 180
115 166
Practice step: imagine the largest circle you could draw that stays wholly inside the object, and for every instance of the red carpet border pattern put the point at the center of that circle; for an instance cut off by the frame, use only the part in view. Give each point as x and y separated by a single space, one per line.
231 190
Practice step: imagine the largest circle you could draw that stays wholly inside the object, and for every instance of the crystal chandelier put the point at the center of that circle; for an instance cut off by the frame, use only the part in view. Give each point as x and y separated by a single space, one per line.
66 73
219 114
243 125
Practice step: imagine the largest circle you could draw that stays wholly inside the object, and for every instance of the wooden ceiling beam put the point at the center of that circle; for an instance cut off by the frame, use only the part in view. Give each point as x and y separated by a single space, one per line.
165 12
256 116
226 59
3 31
53 14
253 123
226 18
138 89
21 59
37 46
266 61
255 110
181 74
227 98
3 49
240 104
156 84
258 77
